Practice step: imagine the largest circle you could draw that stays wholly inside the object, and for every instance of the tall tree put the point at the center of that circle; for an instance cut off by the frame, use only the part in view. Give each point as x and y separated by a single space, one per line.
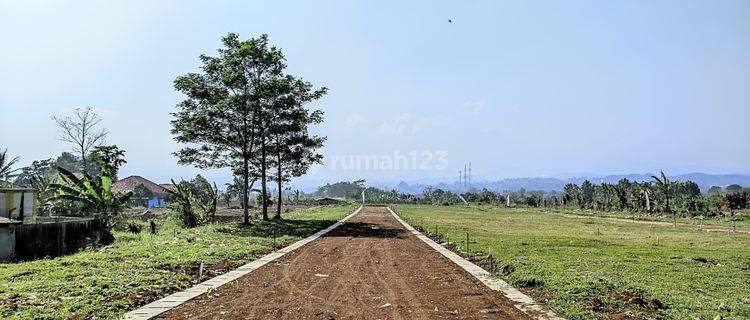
587 193
37 169
571 193
81 130
108 158
292 146
221 118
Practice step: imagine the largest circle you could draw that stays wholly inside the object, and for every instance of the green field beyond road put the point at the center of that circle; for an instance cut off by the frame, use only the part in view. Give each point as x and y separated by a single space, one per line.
137 269
597 268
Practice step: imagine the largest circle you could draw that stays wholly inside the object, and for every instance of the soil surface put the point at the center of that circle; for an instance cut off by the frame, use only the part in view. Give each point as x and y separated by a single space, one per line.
368 268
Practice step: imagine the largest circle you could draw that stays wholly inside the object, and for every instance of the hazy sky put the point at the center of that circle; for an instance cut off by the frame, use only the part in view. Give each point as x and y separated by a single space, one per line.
519 89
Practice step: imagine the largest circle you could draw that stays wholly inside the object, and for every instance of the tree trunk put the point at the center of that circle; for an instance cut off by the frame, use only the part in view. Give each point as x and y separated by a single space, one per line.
245 178
280 180
264 193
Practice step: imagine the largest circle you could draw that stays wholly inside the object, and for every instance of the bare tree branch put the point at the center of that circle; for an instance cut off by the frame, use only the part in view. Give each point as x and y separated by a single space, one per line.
81 130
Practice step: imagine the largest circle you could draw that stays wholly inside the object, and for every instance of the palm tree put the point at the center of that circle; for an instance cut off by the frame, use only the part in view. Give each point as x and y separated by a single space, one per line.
665 186
6 164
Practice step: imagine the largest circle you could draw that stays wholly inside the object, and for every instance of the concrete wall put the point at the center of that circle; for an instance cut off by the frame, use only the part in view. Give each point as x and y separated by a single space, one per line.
11 204
54 239
7 242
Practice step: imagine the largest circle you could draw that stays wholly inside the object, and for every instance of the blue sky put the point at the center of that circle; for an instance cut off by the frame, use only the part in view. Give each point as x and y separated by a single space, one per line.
519 89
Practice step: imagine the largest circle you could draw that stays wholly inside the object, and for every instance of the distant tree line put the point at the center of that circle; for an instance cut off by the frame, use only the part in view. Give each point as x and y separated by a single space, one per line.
659 196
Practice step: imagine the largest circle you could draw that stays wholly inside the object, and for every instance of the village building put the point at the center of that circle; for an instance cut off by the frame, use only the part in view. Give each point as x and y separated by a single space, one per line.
155 195
17 203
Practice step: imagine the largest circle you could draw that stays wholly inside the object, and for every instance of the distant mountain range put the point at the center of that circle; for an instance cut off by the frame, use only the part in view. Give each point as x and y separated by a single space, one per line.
704 180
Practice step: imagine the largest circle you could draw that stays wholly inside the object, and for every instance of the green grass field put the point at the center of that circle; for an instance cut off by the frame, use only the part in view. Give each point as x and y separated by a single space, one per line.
740 219
104 283
597 268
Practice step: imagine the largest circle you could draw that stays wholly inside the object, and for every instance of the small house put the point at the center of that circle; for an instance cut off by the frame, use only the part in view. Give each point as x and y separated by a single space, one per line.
150 195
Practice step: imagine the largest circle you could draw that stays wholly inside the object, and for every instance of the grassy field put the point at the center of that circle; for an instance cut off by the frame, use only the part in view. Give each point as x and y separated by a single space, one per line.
104 283
740 219
597 268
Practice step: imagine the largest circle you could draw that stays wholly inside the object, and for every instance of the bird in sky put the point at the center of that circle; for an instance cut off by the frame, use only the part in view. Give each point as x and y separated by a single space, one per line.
450 21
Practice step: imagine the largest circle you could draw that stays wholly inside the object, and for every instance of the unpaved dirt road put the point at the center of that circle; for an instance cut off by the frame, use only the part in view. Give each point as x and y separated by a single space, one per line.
368 268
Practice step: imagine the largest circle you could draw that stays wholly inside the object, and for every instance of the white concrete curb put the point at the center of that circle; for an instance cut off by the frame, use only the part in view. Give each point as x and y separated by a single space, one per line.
521 301
157 307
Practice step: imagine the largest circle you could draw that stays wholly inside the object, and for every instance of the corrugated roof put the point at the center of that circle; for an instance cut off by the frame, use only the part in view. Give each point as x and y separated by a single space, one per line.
129 183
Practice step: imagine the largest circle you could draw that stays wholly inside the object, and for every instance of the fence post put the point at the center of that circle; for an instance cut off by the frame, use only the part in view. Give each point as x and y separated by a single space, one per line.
467 244
492 260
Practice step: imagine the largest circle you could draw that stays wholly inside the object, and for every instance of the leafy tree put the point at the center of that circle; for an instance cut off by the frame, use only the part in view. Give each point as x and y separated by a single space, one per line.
81 130
733 188
621 190
108 159
689 189
343 189
587 193
714 190
734 201
199 188
71 162
222 117
294 149
571 193
38 168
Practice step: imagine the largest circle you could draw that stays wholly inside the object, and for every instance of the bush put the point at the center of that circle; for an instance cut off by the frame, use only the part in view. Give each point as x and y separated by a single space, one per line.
182 204
134 228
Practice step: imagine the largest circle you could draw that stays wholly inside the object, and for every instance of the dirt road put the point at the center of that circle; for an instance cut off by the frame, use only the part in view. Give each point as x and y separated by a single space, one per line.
368 268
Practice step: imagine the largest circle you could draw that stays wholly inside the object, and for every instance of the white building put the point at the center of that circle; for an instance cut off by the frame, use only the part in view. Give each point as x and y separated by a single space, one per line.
17 203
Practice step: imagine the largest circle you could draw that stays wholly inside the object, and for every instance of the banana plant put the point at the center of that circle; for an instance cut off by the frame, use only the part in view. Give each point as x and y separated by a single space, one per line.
95 194
645 190
182 202
666 187
45 194
208 207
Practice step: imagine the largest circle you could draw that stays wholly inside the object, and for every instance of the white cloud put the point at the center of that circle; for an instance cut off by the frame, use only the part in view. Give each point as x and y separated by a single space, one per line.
353 121
106 113
421 124
405 123
475 106
395 127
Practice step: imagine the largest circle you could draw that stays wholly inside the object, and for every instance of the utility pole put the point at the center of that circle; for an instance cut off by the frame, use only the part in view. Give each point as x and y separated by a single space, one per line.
469 175
460 176
465 176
